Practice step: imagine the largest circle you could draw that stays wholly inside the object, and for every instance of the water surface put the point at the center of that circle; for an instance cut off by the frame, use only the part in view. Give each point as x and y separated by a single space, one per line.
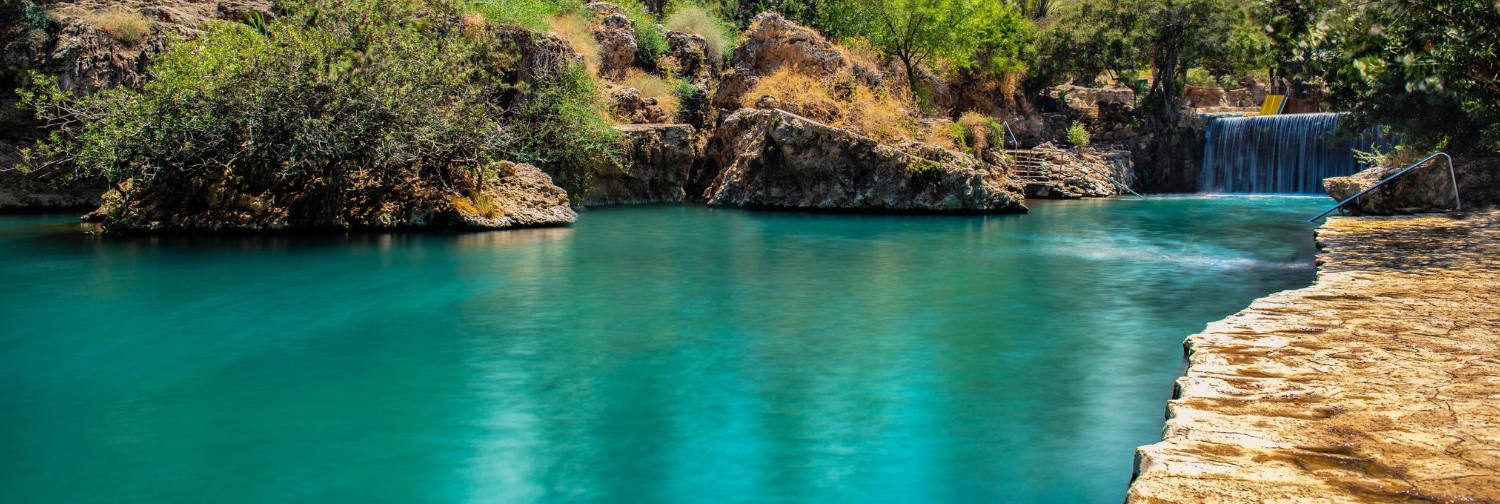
674 354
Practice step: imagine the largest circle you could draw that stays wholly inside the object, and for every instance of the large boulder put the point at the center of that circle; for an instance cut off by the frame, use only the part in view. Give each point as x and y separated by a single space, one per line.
773 43
658 167
1425 189
688 56
775 159
508 195
631 106
617 47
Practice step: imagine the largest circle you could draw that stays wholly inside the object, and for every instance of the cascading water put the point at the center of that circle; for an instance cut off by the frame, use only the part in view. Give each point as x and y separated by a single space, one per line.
1286 154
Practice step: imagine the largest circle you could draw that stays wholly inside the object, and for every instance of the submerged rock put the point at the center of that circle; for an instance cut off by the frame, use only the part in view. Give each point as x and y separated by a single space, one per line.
658 167
508 195
775 159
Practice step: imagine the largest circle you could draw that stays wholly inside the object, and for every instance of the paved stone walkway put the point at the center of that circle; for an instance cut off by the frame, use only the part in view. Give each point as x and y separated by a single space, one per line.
1380 383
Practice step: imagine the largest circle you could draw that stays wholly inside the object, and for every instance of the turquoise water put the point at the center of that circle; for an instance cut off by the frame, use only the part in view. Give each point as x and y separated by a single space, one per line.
653 354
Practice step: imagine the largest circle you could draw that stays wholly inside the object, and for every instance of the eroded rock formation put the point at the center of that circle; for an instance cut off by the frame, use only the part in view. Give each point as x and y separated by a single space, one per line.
774 159
658 167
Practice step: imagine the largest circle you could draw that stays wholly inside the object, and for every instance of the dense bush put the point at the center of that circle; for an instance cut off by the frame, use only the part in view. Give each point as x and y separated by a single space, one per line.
1078 135
1430 69
329 89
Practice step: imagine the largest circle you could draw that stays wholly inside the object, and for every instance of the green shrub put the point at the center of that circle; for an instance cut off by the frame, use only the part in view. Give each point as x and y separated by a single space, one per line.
331 89
559 126
650 40
1078 135
1199 76
529 14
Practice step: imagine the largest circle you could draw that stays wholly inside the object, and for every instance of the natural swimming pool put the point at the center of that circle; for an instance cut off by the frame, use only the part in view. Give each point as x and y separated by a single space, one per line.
649 354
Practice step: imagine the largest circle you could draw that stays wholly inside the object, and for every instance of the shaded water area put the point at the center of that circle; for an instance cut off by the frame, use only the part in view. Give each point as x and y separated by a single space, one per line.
1280 154
652 354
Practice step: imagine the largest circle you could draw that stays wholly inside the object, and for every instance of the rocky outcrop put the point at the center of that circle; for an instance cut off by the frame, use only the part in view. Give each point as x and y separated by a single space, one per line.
508 195
775 159
1425 189
688 56
773 43
1377 384
632 107
1084 173
659 160
615 34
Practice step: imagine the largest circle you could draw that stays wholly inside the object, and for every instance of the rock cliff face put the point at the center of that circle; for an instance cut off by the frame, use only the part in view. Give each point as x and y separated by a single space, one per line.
658 169
510 195
774 159
1426 189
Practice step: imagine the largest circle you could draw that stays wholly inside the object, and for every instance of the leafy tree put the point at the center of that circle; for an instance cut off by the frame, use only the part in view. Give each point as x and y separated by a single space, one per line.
989 37
1428 68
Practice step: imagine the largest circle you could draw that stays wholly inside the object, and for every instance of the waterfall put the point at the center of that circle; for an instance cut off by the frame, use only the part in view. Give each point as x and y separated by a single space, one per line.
1278 154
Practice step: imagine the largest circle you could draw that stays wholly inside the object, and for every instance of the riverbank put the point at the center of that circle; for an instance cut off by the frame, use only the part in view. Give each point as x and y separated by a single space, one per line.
1379 383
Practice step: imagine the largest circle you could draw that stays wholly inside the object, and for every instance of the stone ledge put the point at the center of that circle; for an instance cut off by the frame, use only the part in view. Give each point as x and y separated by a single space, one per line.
1379 383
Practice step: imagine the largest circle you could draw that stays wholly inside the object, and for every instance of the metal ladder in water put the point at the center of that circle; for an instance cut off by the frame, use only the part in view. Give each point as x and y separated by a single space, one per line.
1452 175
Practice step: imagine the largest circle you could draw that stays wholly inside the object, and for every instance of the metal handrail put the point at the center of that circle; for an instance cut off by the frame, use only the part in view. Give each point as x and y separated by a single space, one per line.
1091 168
1453 175
1011 133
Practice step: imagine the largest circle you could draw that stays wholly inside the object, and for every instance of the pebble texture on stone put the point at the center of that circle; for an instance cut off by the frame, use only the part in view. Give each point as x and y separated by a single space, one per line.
1380 383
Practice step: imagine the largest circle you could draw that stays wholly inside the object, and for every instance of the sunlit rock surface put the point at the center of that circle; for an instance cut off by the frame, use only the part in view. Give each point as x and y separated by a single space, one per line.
1380 383
775 159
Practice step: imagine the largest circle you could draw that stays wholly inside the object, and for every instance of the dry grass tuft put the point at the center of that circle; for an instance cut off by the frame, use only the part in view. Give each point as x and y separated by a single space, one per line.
697 20
840 102
653 86
575 28
125 26
474 24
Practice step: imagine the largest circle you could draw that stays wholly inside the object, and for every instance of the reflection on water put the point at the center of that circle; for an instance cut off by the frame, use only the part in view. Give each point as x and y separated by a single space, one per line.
657 354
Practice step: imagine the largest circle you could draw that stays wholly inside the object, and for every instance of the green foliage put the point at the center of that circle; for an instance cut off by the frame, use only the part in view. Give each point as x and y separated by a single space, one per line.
529 14
1199 76
650 40
559 127
996 132
328 90
35 17
989 37
963 139
1430 69
1078 135
1082 40
834 18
